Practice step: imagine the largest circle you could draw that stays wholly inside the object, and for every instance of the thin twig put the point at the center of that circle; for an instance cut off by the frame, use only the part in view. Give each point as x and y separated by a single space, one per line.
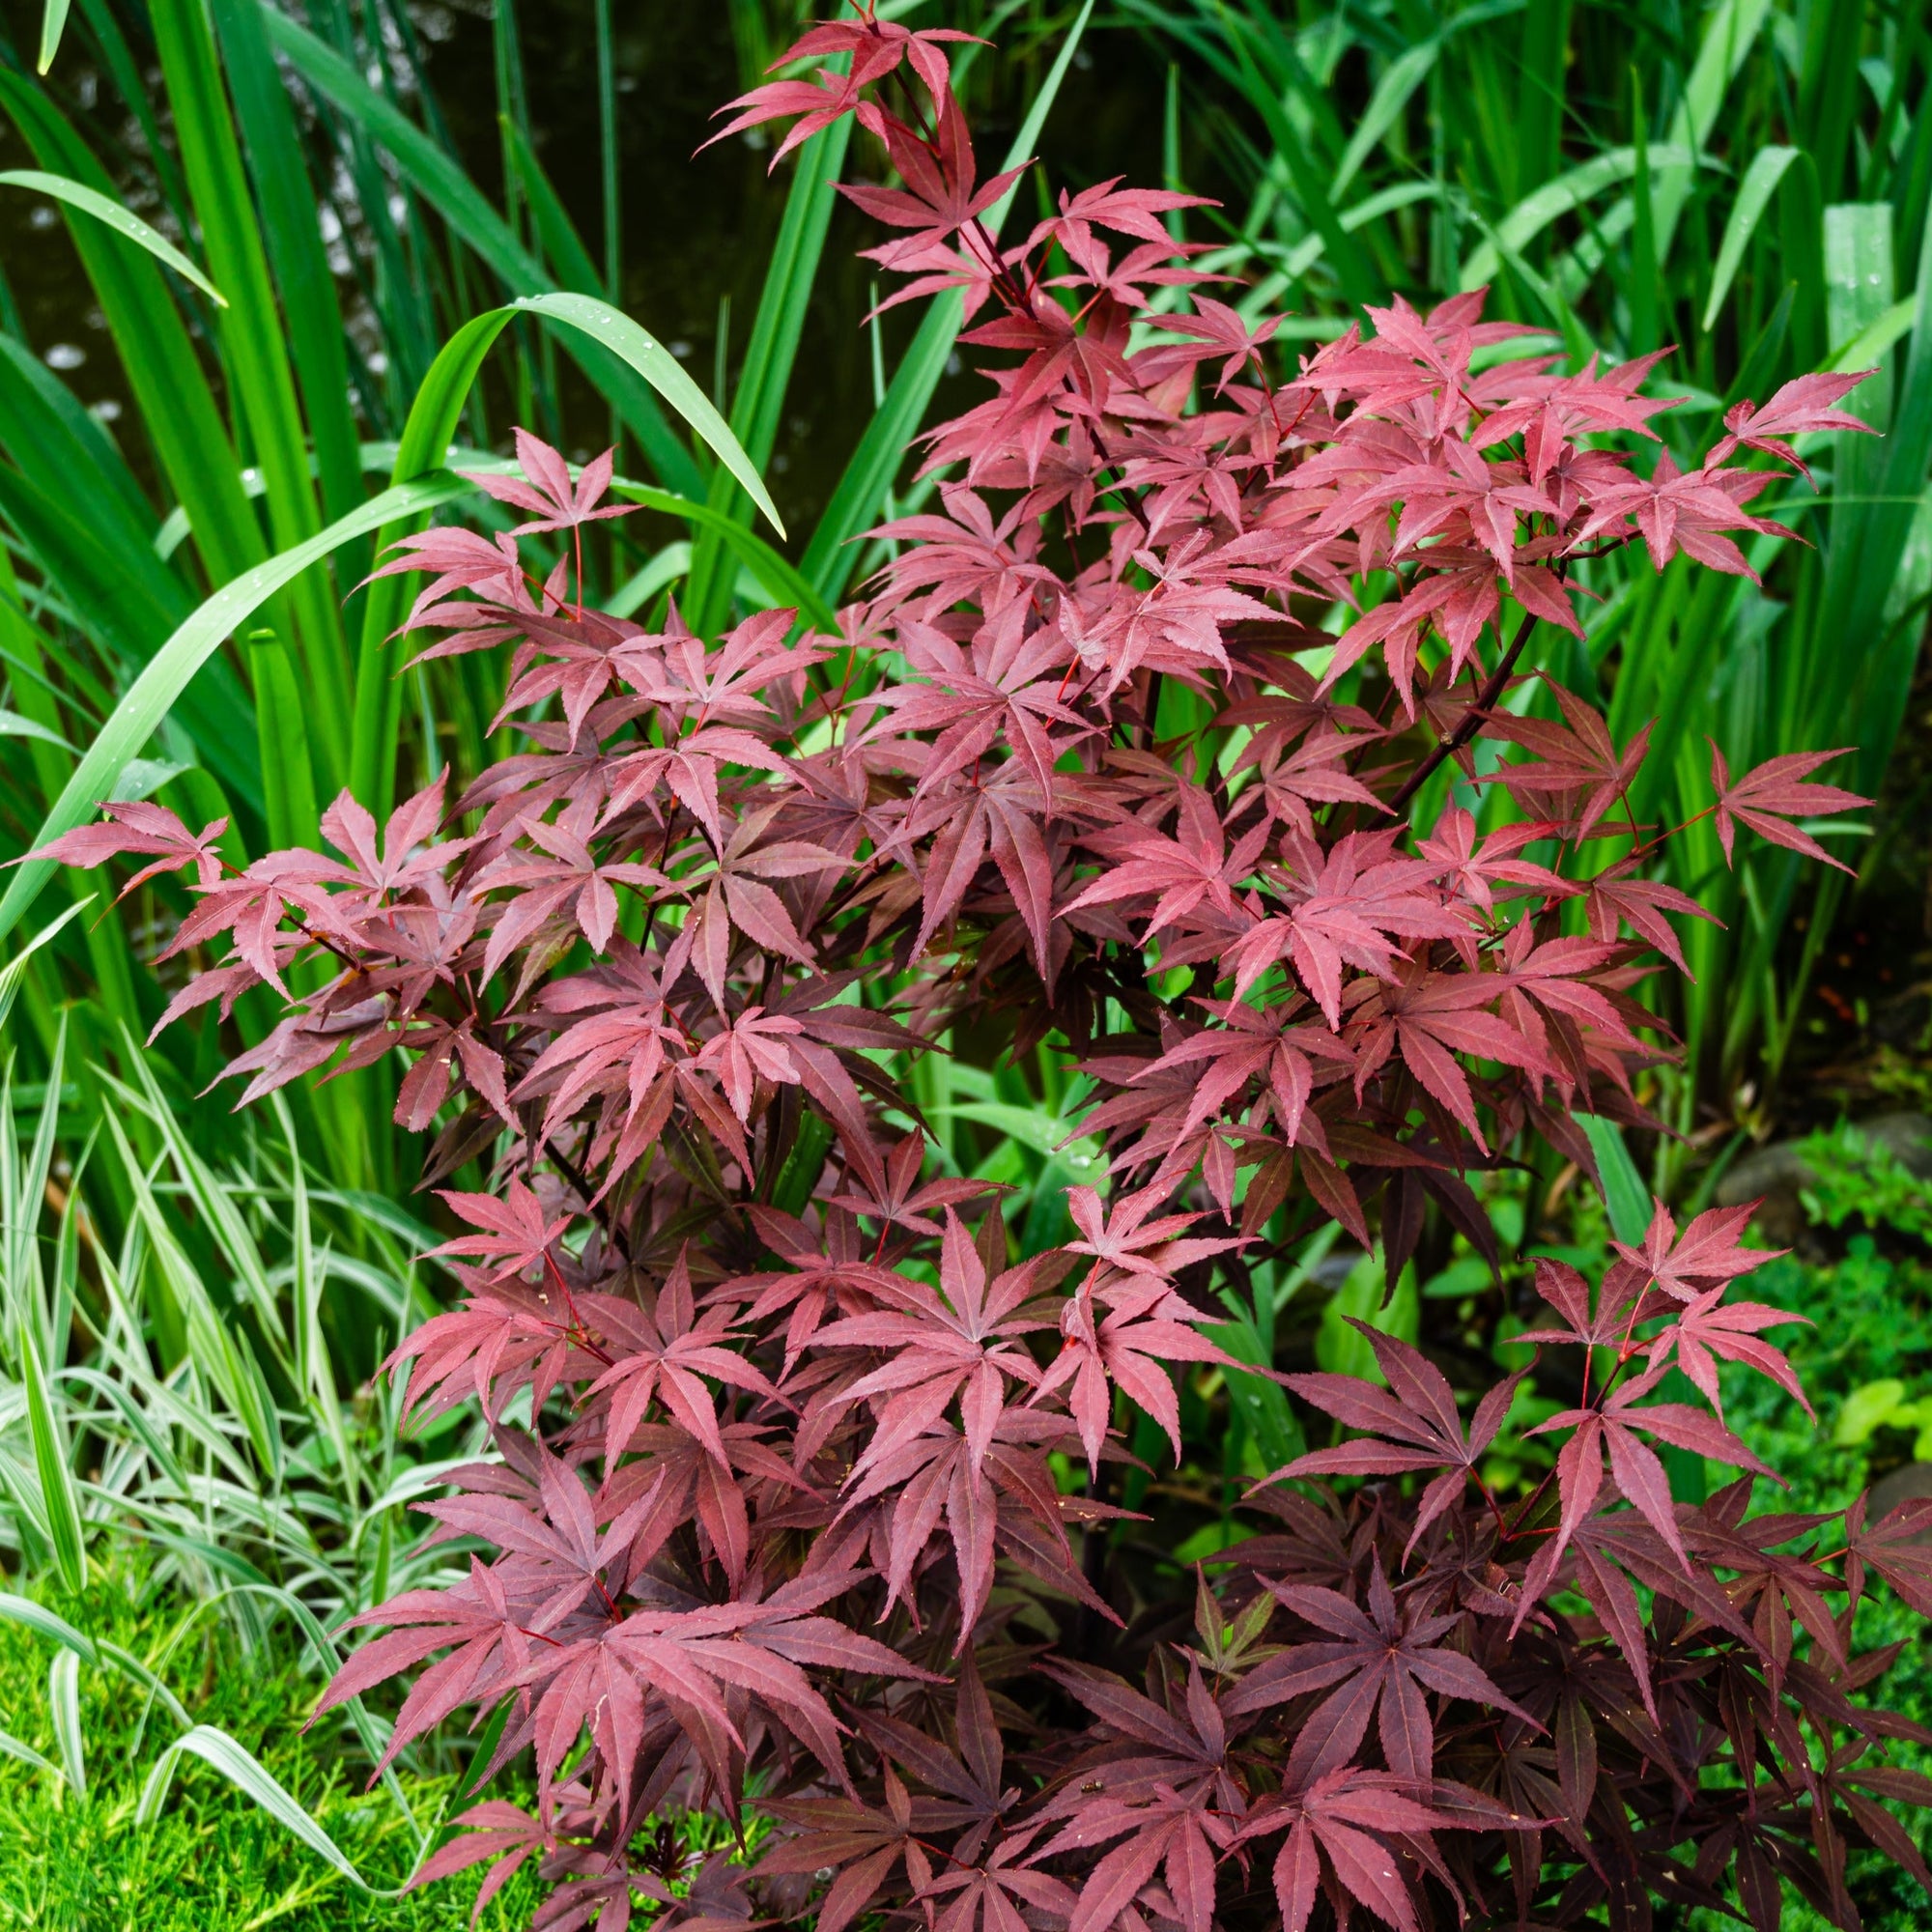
1473 719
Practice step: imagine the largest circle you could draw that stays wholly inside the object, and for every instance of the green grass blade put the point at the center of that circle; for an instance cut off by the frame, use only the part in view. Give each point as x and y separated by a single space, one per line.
758 403
38 409
438 179
558 239
24 1272
126 599
25 1754
177 406
122 597
293 236
64 1705
785 582
114 1658
153 695
1260 1403
1885 673
53 23
152 1439
310 1351
1755 192
44 1622
214 1206
615 331
290 802
77 194
1859 282
662 570
124 71
1877 338
216 1347
15 969
1399 81
256 354
1731 28
607 155
253 1779
14 726
59 1497
1569 192
1830 85
1800 249
1643 281
1866 534
1358 282
1539 130
1624 1193
830 556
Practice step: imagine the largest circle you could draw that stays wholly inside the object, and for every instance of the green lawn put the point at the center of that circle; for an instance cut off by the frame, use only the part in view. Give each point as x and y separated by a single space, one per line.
213 1861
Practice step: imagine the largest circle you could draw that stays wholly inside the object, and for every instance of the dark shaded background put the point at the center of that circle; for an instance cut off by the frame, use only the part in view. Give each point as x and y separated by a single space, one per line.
697 228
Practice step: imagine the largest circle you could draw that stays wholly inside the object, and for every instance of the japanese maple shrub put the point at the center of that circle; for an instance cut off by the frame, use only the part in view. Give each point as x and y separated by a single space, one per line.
804 1456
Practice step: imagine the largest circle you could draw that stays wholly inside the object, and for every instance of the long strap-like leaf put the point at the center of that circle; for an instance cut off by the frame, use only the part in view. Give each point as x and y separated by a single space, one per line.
422 448
251 1776
76 194
454 196
152 695
829 558
53 23
179 413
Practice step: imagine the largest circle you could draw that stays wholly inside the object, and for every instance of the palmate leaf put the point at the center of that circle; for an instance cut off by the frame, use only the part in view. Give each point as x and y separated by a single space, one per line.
1373 1660
1347 1819
1415 1419
1776 792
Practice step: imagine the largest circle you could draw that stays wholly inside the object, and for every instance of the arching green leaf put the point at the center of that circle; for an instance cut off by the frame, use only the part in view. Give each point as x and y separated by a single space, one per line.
1760 182
165 676
111 213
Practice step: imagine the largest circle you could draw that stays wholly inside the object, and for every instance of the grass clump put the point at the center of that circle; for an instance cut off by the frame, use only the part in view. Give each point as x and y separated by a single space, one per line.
73 1860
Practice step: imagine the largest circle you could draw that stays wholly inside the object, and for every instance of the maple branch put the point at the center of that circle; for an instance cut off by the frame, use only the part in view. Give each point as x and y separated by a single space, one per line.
1644 851
927 136
1152 708
600 1211
1474 719
1119 483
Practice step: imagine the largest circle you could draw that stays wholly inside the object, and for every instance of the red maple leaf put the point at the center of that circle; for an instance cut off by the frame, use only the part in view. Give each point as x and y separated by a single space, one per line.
1769 794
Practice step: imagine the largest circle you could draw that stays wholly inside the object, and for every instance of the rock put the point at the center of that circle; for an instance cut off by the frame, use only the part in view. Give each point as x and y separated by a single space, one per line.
1902 1486
1907 1136
1776 1173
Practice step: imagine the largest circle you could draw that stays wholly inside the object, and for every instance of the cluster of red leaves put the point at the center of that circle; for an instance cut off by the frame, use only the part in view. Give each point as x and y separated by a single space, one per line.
787 1506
